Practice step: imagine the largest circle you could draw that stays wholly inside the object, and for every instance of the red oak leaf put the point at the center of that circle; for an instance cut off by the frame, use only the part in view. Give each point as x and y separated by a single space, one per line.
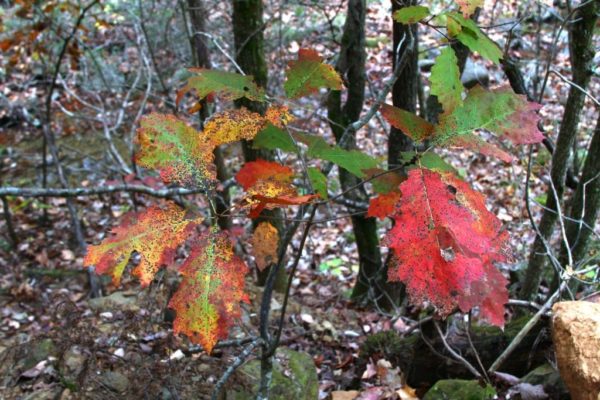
445 242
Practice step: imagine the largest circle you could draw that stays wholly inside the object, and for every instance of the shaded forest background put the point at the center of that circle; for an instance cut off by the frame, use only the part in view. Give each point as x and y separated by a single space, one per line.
75 79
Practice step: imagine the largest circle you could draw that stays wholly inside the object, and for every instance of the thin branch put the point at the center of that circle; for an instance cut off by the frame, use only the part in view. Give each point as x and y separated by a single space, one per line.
239 360
454 354
76 192
525 330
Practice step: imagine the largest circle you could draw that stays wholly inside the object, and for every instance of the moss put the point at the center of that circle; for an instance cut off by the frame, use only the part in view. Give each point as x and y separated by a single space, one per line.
459 389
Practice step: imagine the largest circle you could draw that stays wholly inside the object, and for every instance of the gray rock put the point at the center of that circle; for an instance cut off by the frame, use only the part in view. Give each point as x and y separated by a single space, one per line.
73 362
113 302
115 381
474 74
550 380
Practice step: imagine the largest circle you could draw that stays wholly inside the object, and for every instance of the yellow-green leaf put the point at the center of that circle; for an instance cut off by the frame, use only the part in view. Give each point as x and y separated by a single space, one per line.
230 85
308 74
445 80
207 302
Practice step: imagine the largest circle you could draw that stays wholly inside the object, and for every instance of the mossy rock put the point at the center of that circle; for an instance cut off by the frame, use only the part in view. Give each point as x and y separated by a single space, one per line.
547 376
459 389
294 377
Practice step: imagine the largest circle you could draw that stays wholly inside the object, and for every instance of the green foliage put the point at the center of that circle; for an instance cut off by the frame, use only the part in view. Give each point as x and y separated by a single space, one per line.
318 181
272 138
411 14
445 80
468 33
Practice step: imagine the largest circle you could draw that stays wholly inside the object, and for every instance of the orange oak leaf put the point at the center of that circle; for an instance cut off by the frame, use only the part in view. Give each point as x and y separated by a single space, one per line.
468 7
264 241
268 185
445 242
207 302
261 170
271 194
383 205
232 125
154 233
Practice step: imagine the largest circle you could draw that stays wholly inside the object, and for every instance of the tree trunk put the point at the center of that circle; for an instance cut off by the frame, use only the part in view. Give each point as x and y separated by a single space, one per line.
351 66
585 204
405 90
582 55
201 58
248 35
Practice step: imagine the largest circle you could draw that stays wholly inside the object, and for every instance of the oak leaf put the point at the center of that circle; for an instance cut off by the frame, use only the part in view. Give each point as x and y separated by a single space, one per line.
230 85
179 152
384 205
207 302
264 242
500 111
445 242
308 74
154 233
268 185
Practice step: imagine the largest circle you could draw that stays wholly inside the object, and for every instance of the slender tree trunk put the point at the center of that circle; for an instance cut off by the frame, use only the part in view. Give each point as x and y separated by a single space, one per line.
201 58
405 91
582 55
249 45
351 66
585 204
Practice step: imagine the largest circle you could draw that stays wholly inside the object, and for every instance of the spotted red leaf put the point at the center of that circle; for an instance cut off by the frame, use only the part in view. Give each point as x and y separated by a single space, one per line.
445 242
207 301
154 233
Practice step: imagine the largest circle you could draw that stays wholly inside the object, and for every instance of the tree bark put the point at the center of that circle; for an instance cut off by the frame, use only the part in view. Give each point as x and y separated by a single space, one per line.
201 58
585 204
351 66
249 45
405 91
582 55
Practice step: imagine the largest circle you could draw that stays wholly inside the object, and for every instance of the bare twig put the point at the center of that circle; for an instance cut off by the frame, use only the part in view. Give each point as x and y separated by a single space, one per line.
76 192
525 330
454 354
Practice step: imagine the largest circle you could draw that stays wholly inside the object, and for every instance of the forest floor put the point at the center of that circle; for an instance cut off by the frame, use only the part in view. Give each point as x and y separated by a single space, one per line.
58 343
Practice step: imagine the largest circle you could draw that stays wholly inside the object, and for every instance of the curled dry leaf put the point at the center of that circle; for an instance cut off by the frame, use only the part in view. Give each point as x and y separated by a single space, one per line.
264 241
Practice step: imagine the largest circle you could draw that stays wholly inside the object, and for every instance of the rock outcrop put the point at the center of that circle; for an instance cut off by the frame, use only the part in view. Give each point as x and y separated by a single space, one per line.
576 335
